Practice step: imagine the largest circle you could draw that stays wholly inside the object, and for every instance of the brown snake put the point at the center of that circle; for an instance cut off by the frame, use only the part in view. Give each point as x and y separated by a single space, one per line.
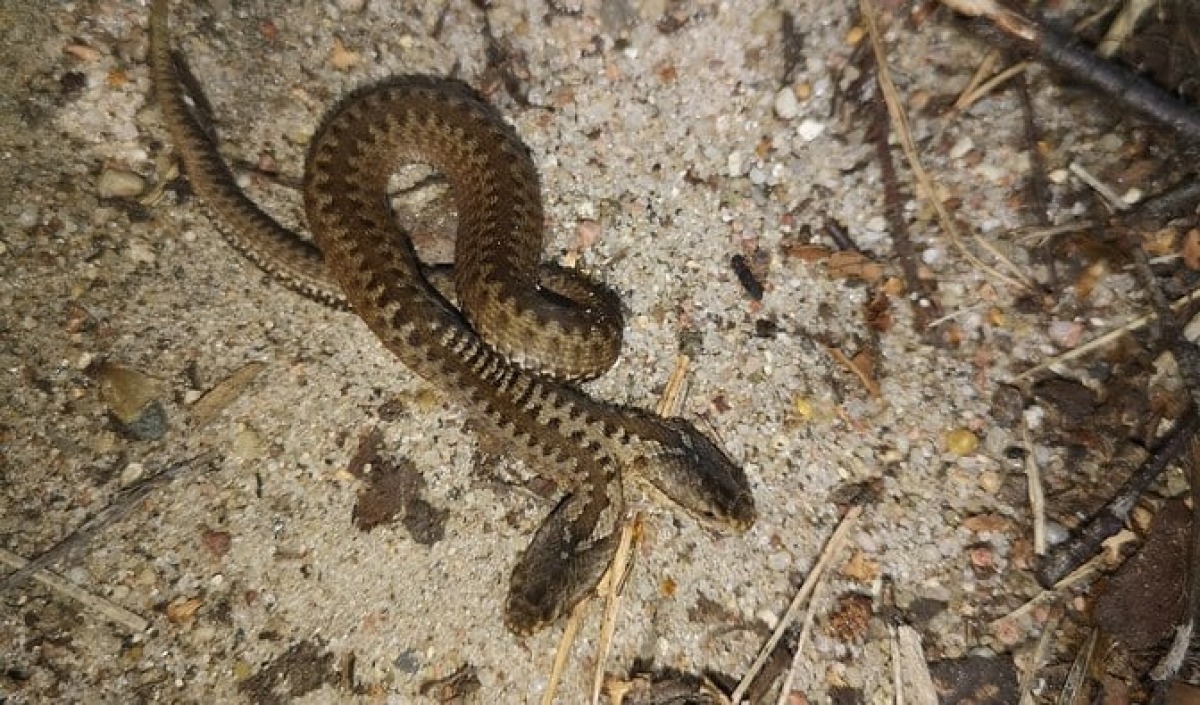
507 299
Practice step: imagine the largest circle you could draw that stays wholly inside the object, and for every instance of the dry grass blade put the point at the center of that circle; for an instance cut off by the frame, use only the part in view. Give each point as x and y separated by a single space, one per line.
967 99
910 672
622 564
1104 339
570 631
1072 692
831 550
785 690
924 181
133 622
1037 497
1037 660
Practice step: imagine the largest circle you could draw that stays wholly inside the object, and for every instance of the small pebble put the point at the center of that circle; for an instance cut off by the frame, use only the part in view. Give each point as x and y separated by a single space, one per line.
120 184
1007 631
767 617
132 398
342 58
248 445
1065 334
786 105
961 442
809 130
126 391
960 149
141 253
990 481
132 473
735 164
1056 533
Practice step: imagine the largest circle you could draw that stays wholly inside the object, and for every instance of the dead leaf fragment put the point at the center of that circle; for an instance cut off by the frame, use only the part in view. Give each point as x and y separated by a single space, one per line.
848 264
1190 249
342 58
183 610
860 568
224 393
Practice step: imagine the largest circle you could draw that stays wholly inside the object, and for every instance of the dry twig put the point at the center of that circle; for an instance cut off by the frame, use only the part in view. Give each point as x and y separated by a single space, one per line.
831 550
925 183
1007 27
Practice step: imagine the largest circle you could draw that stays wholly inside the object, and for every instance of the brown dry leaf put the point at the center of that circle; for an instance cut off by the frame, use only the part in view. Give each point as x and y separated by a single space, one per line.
1160 243
183 610
879 312
224 393
1144 598
806 253
987 522
216 543
1190 249
848 264
849 620
862 366
1089 278
864 362
894 286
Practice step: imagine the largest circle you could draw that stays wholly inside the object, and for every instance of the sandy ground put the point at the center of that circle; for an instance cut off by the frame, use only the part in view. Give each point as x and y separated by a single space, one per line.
668 141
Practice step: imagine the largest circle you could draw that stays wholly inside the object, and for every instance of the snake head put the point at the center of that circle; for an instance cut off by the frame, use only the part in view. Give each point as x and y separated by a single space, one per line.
698 476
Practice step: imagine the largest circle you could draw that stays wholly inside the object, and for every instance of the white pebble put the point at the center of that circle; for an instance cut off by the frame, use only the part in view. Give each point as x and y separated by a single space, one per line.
119 184
786 105
141 253
769 618
735 164
131 474
960 149
809 130
29 217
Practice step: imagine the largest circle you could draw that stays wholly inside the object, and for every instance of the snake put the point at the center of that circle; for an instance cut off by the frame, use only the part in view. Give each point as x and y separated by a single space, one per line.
512 340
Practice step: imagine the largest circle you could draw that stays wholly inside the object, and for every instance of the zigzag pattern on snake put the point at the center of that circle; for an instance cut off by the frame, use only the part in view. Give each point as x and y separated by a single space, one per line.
507 298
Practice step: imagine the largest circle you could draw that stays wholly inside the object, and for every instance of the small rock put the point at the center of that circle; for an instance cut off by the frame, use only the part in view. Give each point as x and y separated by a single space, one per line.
141 253
961 442
809 130
342 58
735 164
960 149
786 105
248 445
132 398
132 473
120 184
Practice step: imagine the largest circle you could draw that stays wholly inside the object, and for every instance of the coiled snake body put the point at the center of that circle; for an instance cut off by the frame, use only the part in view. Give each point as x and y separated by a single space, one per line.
479 354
